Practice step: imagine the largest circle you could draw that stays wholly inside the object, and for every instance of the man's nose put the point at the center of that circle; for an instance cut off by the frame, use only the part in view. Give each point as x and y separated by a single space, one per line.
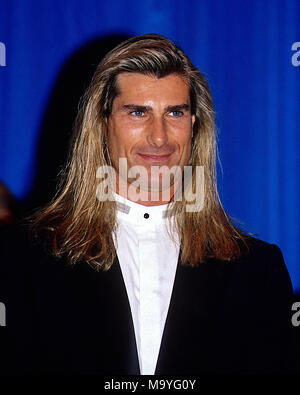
157 134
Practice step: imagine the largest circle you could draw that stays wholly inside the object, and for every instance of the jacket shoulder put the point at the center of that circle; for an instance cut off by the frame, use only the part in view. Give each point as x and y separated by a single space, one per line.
259 248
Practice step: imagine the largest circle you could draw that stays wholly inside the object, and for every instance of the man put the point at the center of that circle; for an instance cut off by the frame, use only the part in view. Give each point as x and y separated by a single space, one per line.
160 280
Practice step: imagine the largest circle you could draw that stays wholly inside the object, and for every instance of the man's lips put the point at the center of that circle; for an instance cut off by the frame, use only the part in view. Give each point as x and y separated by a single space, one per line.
155 158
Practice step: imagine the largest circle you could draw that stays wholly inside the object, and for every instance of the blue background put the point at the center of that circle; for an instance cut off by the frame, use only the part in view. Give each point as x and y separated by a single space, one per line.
243 47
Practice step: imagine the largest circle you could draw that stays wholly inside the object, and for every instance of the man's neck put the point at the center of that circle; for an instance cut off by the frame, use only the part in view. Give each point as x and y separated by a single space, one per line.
147 198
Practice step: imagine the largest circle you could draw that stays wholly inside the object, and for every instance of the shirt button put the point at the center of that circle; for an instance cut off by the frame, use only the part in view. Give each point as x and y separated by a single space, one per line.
146 215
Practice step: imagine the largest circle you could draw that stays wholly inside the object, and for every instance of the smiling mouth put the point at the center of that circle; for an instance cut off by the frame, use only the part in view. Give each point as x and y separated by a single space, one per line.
157 158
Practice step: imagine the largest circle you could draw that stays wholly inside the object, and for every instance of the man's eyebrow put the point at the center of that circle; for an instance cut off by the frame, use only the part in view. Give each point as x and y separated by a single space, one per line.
178 107
137 107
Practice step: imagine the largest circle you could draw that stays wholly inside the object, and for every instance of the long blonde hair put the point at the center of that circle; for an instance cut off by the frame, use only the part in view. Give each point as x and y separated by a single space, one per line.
78 225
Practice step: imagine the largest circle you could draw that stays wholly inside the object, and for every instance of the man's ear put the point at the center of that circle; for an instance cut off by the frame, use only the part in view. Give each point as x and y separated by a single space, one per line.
106 124
193 121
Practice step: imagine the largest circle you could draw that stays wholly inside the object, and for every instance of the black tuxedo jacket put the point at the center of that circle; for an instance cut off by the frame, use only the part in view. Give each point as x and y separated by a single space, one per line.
224 317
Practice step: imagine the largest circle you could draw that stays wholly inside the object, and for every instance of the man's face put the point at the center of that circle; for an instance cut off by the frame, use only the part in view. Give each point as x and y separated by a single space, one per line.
151 122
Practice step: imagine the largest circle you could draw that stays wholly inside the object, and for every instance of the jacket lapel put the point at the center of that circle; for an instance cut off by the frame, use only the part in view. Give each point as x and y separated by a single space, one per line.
192 315
124 358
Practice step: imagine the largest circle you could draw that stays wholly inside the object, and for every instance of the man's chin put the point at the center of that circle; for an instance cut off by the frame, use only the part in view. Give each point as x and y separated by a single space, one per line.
149 191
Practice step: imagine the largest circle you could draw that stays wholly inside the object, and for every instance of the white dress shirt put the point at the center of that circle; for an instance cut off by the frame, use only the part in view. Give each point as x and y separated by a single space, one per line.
148 259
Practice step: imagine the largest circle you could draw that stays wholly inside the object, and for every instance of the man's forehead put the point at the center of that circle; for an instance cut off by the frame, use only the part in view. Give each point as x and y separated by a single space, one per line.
129 76
135 84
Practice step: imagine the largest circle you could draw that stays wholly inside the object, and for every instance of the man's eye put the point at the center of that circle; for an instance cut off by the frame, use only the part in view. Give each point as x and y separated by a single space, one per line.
137 113
177 113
